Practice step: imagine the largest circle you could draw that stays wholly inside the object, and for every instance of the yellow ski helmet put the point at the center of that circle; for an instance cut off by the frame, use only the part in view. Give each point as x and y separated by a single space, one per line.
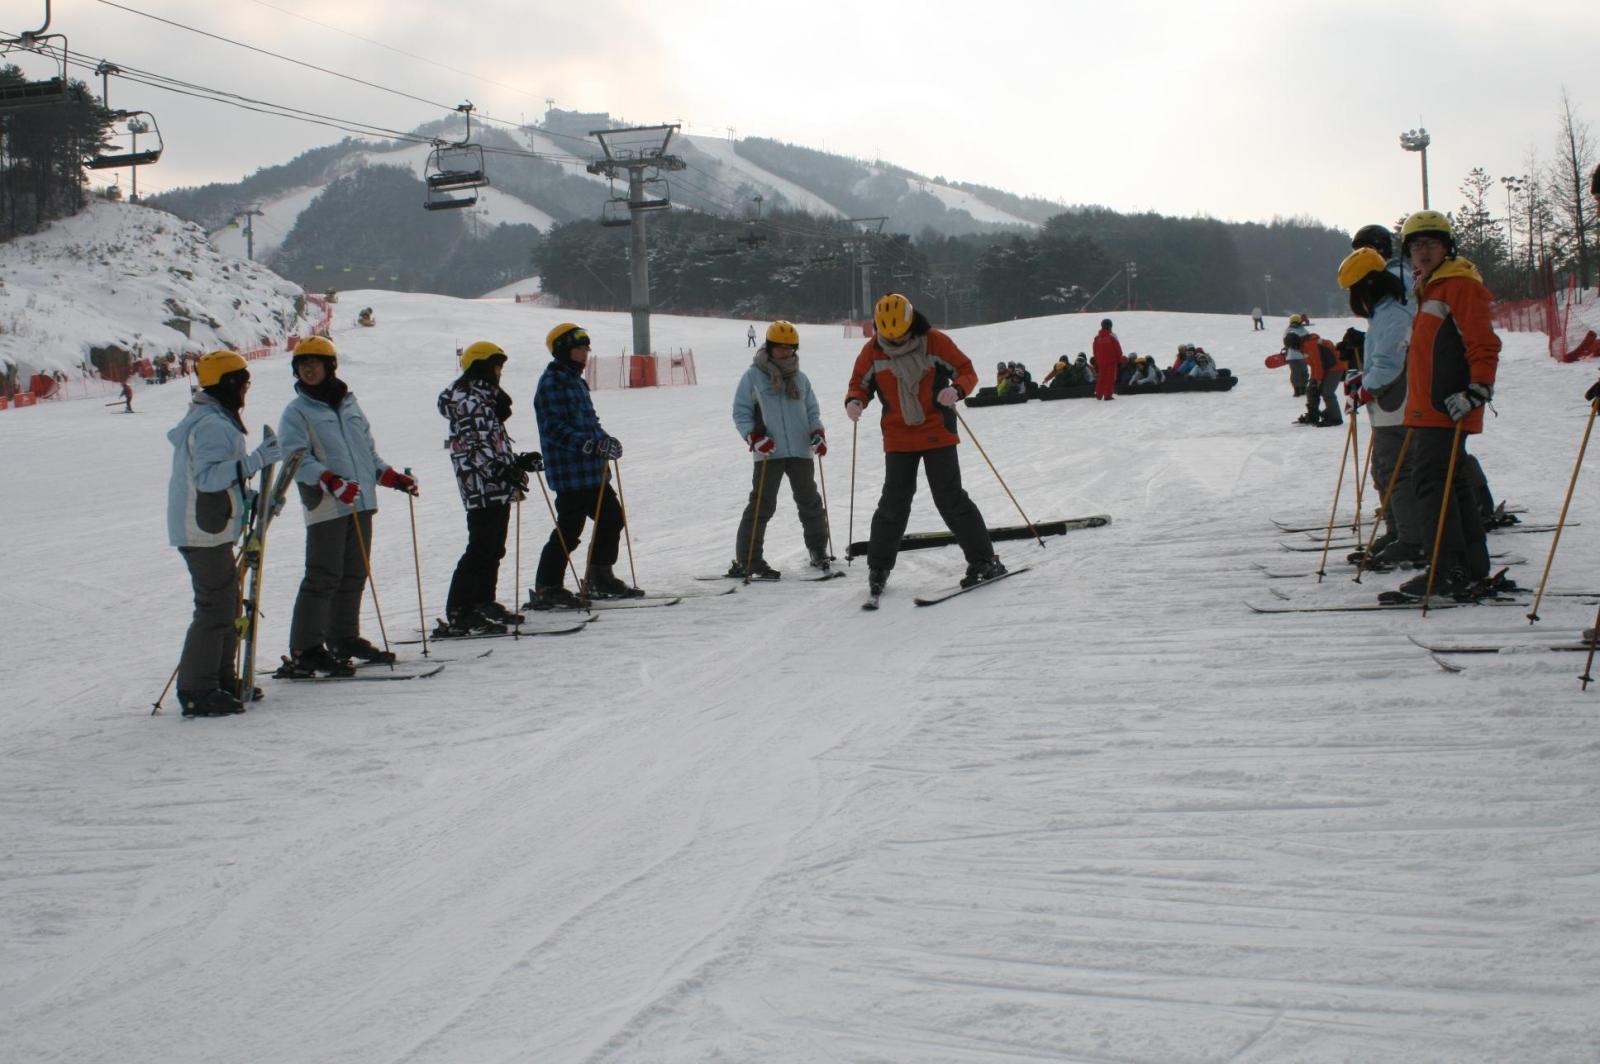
564 338
1428 223
218 364
783 332
892 316
478 351
1358 264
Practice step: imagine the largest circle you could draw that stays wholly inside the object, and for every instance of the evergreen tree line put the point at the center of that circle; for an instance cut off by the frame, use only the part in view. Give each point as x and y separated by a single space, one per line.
42 148
800 266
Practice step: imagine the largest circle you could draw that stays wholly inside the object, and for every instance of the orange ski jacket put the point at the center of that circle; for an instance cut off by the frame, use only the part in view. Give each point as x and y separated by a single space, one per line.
872 376
1453 344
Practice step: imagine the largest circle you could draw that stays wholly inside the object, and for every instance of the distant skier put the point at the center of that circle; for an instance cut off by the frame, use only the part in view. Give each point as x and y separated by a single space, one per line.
577 451
775 412
127 396
205 517
919 375
338 481
750 337
1107 361
1256 320
491 476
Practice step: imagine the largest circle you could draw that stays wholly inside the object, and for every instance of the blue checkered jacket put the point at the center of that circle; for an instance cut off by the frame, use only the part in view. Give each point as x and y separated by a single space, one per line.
567 421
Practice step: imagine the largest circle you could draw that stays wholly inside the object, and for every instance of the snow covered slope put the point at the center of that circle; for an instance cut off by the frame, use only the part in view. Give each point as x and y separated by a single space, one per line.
118 274
1099 812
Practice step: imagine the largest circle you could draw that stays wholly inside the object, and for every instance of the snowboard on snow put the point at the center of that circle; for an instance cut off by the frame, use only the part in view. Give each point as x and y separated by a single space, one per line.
380 673
945 538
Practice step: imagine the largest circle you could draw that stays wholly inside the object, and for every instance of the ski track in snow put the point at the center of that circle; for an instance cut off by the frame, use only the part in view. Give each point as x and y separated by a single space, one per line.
1102 813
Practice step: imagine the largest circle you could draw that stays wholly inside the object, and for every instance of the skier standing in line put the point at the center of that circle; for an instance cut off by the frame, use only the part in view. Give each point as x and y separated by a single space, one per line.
577 451
338 481
1107 361
491 477
1379 296
776 413
205 517
919 375
1450 373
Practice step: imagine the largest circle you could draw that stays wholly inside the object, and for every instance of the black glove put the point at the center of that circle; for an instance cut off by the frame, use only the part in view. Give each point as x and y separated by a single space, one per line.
530 462
1593 393
516 479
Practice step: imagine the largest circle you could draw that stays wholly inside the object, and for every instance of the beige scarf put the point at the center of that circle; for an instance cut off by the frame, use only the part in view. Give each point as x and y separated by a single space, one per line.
910 363
780 371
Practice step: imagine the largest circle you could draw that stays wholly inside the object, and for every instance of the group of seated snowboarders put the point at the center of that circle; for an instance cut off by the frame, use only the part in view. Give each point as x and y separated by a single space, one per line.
1012 378
1133 370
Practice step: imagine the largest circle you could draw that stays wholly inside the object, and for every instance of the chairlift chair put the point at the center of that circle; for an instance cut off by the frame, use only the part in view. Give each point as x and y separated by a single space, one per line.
29 94
657 195
614 213
125 149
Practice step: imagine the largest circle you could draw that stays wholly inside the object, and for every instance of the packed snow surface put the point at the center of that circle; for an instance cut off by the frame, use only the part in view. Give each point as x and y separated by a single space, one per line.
1099 812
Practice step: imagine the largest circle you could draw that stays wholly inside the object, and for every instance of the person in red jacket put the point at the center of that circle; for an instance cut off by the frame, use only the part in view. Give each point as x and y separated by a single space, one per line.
1107 361
1450 371
919 375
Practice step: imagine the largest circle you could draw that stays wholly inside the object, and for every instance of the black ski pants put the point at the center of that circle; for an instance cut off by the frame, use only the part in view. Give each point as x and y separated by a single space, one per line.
1464 542
210 645
478 572
766 478
960 513
328 606
573 508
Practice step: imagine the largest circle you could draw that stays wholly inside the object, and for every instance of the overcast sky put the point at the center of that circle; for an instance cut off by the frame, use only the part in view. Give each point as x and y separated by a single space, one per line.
1237 109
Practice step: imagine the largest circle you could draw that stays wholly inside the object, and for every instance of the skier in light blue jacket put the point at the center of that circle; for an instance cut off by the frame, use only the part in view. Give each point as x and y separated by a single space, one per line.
206 495
338 484
777 416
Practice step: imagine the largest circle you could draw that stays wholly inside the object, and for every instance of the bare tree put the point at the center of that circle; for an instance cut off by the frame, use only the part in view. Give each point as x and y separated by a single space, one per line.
1568 185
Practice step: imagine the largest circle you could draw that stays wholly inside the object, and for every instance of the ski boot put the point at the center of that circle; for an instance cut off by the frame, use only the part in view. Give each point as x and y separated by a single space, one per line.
603 584
230 684
306 664
496 612
877 579
759 571
978 572
1451 583
360 649
213 703
467 621
552 598
820 561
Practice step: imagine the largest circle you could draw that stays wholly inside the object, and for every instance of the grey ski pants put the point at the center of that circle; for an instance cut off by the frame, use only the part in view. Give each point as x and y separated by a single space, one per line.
328 606
1401 516
802 476
208 649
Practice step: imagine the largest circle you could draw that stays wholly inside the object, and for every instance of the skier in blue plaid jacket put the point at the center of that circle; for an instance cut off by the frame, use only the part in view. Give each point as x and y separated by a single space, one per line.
577 451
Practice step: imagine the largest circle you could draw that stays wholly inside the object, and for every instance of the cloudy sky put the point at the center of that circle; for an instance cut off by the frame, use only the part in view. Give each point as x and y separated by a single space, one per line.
1237 109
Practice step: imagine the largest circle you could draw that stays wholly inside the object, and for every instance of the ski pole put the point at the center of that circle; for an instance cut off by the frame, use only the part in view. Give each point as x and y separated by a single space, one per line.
1444 513
594 535
366 560
566 551
973 436
850 532
827 520
1338 489
755 531
155 707
1384 501
416 561
1365 470
1533 614
1594 640
516 569
627 536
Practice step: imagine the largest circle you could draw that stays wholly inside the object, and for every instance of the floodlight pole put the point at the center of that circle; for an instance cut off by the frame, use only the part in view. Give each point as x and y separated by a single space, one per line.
637 150
1417 140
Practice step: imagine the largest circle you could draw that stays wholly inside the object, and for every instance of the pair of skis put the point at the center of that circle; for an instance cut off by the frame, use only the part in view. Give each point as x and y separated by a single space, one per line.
266 504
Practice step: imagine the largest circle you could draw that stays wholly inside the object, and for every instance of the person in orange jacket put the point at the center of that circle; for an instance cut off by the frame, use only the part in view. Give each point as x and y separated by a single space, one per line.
1107 361
919 375
1326 370
1450 371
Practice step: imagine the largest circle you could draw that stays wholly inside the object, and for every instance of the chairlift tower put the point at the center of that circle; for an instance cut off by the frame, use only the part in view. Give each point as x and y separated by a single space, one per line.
871 227
249 214
641 153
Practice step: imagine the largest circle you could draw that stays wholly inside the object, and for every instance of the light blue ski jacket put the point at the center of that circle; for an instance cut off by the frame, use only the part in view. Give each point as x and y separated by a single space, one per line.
211 471
333 438
1384 360
757 405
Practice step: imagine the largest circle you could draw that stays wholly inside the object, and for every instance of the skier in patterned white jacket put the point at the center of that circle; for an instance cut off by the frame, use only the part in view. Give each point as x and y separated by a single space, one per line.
491 477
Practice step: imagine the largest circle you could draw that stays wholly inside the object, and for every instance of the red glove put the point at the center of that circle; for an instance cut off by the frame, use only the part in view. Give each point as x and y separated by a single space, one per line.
391 478
343 490
762 445
819 442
